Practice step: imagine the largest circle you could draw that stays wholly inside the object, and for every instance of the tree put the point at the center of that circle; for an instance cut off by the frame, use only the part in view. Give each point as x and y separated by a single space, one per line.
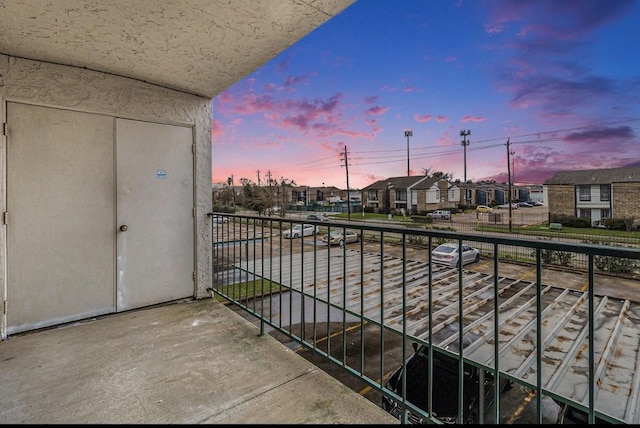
253 196
263 199
437 174
285 187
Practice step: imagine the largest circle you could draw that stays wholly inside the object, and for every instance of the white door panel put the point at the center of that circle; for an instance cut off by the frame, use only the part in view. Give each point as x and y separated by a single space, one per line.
60 200
155 255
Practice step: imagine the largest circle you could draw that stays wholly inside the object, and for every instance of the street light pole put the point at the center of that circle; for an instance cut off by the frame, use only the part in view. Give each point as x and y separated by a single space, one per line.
408 134
509 183
465 143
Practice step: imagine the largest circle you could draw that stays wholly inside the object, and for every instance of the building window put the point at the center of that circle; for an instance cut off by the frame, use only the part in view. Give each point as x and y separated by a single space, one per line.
373 195
401 195
605 193
585 212
585 193
605 213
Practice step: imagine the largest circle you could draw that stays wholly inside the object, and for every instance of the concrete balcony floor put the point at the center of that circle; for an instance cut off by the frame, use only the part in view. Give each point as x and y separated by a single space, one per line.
194 361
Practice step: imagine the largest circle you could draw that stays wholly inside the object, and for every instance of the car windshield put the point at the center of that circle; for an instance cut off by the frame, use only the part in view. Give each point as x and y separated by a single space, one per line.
336 233
445 249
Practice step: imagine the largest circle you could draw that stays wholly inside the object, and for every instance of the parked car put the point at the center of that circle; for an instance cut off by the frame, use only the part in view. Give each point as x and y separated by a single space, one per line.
599 224
484 209
300 230
340 237
524 205
448 253
513 206
219 219
440 214
445 384
317 217
536 203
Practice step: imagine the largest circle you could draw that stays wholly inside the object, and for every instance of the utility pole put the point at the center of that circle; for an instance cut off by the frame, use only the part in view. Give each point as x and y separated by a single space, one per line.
513 167
509 178
346 166
465 143
258 178
408 134
270 199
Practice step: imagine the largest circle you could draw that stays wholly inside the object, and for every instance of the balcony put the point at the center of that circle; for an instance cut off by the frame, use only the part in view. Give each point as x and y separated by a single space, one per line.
544 314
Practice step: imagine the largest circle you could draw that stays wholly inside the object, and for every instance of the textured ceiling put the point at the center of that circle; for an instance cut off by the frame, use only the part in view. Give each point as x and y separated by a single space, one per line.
196 46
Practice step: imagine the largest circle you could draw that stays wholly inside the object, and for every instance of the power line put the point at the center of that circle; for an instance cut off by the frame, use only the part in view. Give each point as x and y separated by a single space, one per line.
512 136
436 151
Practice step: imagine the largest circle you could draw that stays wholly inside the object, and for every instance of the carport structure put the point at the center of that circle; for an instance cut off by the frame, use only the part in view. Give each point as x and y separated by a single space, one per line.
423 302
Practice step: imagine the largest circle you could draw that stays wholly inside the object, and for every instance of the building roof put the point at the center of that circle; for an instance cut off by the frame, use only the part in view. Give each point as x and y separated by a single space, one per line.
428 183
397 182
596 176
200 47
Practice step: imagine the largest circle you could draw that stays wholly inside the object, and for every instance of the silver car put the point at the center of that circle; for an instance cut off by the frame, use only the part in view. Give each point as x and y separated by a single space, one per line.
300 230
448 253
340 237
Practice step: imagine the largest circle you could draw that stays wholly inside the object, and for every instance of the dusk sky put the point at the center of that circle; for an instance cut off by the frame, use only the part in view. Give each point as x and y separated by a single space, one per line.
560 80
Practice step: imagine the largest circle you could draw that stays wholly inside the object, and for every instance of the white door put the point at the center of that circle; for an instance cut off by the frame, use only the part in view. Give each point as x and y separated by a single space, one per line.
67 258
155 223
61 216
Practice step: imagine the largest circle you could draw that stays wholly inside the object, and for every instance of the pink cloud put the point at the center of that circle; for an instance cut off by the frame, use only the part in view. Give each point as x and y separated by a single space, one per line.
409 89
216 129
423 118
268 145
466 119
372 99
377 110
441 119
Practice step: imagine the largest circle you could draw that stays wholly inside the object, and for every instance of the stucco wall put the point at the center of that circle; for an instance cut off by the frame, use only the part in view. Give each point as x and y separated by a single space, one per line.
79 89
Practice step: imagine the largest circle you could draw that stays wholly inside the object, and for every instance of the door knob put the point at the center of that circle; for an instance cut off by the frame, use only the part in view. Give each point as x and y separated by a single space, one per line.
124 228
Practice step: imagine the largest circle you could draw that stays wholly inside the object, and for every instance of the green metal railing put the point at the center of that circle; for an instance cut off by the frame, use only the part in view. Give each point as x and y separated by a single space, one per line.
518 318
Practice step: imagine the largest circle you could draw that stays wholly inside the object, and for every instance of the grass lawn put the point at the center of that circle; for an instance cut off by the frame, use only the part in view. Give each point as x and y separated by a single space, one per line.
248 289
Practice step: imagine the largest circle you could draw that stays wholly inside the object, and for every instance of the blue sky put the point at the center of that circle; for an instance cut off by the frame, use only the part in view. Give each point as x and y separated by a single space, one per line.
559 80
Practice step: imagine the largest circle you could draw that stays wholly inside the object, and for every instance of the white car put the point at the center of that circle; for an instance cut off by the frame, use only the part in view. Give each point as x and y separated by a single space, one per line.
219 219
300 230
448 254
513 206
318 217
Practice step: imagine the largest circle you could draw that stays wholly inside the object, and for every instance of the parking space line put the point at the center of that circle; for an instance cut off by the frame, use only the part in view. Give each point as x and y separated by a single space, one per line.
322 339
527 274
521 408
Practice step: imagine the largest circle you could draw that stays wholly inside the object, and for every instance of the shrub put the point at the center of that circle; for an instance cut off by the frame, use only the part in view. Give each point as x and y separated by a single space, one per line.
570 221
417 239
421 219
554 257
619 223
615 265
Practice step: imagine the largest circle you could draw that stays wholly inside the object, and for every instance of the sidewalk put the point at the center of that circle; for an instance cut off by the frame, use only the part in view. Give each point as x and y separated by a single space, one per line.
189 362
